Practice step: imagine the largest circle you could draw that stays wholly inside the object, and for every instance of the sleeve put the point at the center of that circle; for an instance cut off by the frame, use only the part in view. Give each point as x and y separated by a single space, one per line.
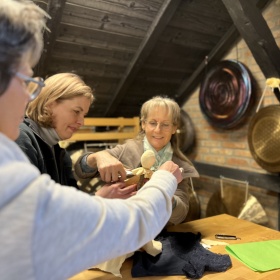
181 197
68 171
183 193
82 170
128 153
74 231
26 144
117 151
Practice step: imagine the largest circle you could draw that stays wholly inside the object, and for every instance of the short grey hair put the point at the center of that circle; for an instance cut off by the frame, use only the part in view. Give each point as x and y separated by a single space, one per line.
21 31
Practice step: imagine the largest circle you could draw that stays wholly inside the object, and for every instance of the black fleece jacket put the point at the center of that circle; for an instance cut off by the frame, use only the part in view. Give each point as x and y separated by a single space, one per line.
57 164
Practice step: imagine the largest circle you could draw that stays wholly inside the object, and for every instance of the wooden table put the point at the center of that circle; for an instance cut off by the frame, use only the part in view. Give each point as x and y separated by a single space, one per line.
247 231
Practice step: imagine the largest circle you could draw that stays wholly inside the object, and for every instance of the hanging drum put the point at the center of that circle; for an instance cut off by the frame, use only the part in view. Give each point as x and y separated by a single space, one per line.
264 131
263 138
186 132
226 94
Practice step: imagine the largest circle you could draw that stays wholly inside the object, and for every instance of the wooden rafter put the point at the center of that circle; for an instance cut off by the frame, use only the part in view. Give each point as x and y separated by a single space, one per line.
55 10
217 53
166 12
257 35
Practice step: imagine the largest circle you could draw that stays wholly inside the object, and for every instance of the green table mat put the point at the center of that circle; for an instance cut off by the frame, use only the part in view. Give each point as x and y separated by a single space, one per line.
259 256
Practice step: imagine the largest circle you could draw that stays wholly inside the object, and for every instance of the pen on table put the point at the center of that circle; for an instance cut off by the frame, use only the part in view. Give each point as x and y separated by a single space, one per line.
226 236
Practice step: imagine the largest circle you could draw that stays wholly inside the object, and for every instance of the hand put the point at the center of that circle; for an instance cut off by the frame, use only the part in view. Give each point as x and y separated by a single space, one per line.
172 168
117 190
110 168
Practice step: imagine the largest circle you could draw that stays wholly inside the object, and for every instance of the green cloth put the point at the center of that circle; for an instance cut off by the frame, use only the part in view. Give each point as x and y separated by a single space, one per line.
259 256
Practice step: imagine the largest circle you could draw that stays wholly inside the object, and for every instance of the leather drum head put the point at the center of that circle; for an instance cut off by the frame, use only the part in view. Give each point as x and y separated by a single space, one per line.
225 94
264 138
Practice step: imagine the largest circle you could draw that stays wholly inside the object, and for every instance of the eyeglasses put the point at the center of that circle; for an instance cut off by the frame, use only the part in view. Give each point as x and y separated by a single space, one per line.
162 126
34 85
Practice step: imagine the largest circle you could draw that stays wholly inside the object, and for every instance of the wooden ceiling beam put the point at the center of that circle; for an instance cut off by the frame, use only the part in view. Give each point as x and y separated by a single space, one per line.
163 17
217 53
55 10
253 28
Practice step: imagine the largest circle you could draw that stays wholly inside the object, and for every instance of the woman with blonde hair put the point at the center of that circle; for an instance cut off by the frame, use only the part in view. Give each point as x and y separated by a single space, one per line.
55 115
160 119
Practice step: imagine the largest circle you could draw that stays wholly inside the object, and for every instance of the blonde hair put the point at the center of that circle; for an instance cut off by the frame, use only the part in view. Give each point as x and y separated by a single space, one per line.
58 87
174 113
169 104
21 31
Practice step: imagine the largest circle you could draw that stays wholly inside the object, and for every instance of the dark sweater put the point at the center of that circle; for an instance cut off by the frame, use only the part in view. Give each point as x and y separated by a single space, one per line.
56 163
182 254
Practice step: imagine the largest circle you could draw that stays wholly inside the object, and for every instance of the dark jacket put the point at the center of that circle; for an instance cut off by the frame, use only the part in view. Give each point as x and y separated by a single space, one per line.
57 164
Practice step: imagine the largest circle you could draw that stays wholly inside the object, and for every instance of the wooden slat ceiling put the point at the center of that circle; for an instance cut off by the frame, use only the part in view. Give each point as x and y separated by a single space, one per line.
130 51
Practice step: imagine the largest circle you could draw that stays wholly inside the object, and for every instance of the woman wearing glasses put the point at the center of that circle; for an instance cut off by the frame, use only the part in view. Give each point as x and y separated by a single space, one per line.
49 232
160 117
53 116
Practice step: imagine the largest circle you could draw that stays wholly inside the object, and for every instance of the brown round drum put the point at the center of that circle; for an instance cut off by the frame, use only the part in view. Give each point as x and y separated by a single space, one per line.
226 93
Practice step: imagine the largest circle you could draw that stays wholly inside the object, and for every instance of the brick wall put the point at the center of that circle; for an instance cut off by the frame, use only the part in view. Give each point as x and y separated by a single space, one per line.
229 148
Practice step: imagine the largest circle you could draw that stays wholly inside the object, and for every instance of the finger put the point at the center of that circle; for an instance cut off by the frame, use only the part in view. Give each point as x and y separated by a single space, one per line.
114 175
178 175
123 189
118 185
108 177
130 188
122 174
102 175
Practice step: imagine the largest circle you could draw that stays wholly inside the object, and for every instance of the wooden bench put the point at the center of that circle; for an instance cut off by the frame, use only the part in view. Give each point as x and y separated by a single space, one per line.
126 128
